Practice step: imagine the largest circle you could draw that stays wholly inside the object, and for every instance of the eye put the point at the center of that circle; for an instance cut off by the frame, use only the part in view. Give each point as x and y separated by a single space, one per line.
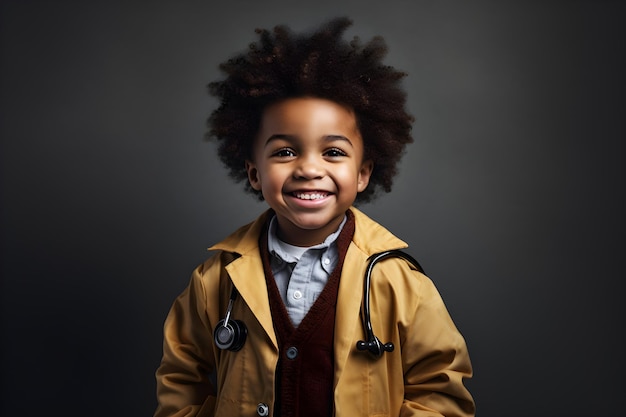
335 152
284 153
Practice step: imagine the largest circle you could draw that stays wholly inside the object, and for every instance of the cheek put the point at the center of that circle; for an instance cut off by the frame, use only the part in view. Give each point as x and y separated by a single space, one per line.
348 176
274 177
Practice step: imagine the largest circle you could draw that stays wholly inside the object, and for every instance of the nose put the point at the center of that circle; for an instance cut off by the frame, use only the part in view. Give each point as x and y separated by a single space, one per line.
309 168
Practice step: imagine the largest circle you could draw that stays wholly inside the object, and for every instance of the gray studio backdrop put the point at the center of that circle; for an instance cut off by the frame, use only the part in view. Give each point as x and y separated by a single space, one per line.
512 196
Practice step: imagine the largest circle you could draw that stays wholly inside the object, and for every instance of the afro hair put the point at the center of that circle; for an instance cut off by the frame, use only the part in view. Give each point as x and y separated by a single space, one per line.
283 64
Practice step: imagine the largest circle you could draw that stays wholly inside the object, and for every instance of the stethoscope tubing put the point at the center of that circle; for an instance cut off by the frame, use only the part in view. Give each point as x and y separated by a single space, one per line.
373 344
233 332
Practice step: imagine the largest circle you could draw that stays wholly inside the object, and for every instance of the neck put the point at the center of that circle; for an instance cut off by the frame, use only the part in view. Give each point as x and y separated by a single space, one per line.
293 235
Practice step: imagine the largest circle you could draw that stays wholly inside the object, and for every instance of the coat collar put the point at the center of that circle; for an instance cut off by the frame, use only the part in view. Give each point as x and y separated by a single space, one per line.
369 236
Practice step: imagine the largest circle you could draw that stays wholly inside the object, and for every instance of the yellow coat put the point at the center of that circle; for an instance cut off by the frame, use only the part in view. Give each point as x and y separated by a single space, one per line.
421 377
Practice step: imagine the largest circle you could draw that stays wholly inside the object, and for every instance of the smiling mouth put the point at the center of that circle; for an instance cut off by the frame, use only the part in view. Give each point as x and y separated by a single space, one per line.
311 195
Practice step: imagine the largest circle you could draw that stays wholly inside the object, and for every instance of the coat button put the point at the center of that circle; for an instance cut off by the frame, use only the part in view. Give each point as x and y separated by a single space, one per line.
262 410
292 352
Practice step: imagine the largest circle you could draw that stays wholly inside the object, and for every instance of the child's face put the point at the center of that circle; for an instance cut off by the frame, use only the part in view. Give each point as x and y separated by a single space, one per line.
308 163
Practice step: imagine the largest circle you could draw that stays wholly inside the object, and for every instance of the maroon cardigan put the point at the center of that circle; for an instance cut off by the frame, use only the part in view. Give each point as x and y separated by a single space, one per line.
305 372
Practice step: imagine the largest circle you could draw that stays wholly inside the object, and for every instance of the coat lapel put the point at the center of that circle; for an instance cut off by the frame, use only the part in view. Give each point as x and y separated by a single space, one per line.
247 276
246 271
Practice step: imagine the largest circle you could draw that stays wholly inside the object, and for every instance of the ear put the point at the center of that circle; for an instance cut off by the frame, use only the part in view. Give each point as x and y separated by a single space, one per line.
364 174
253 175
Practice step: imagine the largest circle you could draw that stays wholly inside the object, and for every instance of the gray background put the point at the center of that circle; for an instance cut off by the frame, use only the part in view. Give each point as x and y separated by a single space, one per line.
512 196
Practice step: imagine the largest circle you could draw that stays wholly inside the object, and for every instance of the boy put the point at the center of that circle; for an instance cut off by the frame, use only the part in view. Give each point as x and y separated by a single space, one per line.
272 324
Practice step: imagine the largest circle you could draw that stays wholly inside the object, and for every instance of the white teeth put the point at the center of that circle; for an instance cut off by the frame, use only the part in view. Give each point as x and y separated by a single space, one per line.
310 196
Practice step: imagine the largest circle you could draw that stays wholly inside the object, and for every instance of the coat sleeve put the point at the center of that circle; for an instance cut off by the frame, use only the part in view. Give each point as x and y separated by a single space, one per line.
185 386
435 359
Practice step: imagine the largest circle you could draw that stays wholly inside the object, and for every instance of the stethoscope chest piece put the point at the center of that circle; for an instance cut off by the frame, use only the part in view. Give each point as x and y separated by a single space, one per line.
231 335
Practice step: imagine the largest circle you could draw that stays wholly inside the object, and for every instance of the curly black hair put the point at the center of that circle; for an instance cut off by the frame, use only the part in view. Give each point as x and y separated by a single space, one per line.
284 65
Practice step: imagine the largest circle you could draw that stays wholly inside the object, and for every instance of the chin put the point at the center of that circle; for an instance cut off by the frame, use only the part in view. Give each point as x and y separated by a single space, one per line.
313 221
310 224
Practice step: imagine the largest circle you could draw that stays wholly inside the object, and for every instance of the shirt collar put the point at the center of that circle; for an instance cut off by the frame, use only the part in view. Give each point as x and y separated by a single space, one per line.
279 249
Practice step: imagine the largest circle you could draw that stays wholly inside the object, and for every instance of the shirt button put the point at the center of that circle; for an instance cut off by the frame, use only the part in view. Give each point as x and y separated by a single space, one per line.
297 295
326 261
292 352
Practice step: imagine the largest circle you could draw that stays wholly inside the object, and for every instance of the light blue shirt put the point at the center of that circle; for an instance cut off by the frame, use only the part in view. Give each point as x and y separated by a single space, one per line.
301 273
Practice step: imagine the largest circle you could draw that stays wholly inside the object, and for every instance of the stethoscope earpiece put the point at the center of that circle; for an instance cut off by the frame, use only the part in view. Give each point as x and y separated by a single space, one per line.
375 347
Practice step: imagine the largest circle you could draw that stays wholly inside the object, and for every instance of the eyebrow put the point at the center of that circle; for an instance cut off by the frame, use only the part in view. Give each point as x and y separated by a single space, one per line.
327 138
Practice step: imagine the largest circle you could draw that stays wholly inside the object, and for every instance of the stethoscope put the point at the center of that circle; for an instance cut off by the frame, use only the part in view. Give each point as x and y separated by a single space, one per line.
231 334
